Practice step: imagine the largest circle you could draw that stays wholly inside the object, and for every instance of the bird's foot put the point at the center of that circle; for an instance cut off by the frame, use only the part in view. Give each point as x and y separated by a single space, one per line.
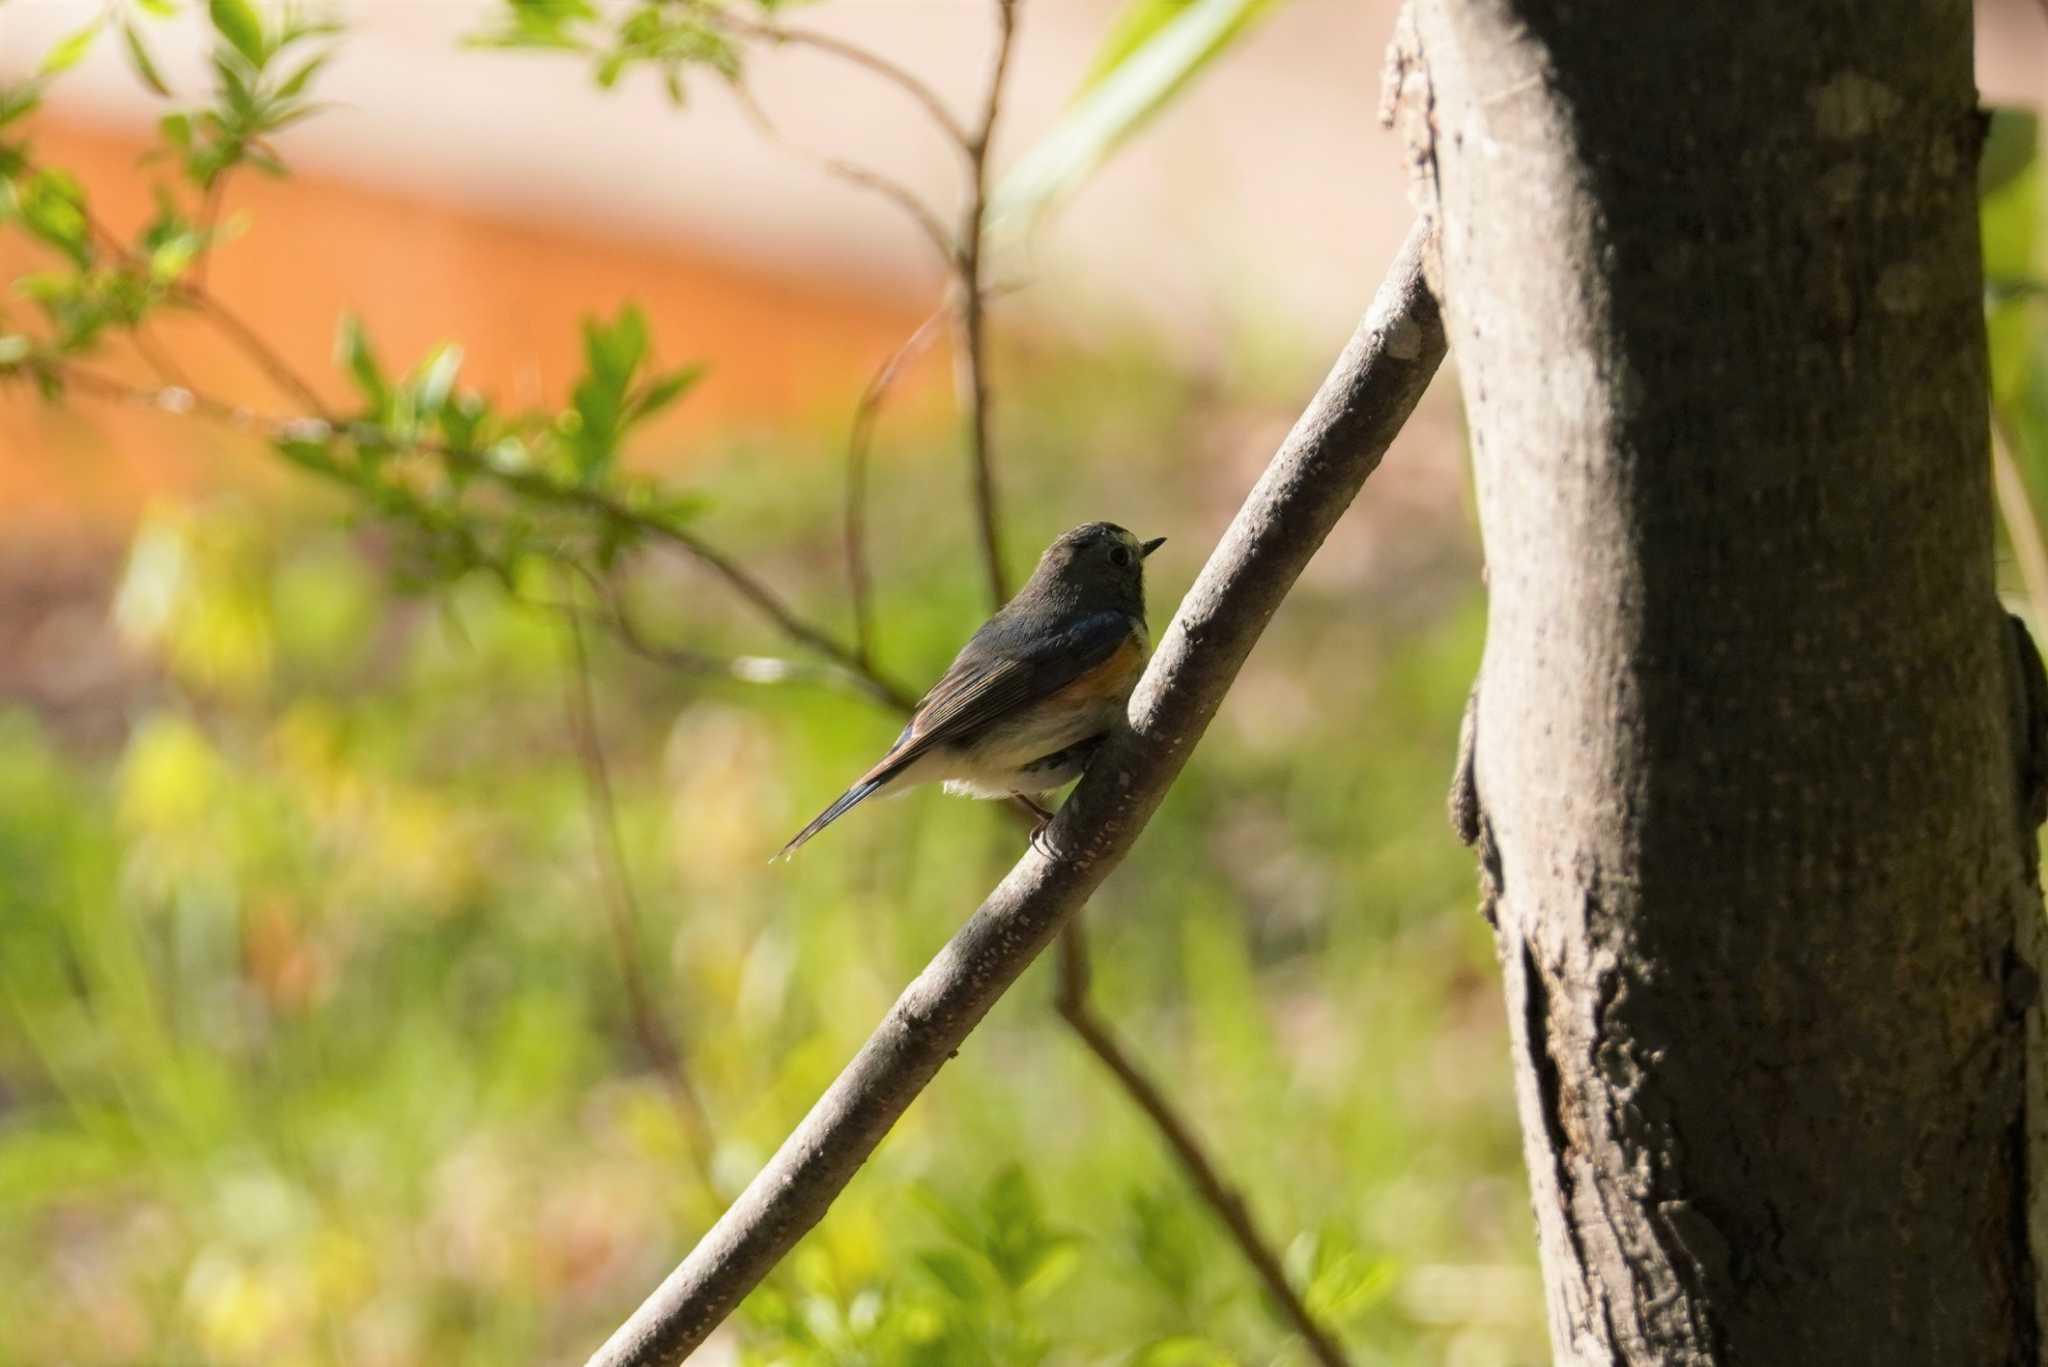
1044 823
1036 808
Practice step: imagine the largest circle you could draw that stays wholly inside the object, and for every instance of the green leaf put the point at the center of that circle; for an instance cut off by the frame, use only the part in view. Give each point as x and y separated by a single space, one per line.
615 351
1181 1350
953 1272
53 208
71 51
238 22
19 100
664 391
435 379
352 351
295 84
144 64
161 9
1133 26
1057 1259
1154 48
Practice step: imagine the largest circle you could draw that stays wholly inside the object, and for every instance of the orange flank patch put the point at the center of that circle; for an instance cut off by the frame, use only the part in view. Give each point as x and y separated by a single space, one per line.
1113 678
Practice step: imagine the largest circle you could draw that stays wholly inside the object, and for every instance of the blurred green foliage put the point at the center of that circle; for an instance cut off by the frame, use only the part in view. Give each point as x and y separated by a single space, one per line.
317 1051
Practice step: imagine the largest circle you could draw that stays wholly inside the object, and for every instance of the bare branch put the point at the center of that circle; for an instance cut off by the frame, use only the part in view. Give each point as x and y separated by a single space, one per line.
859 440
751 669
861 177
1218 1195
859 56
1336 444
972 350
622 908
158 359
209 217
267 357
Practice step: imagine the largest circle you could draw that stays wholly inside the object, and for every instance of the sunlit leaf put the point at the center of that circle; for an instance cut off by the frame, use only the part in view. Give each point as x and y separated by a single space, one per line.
53 208
139 58
353 352
665 391
296 83
19 100
1154 49
238 22
436 377
71 50
1182 1350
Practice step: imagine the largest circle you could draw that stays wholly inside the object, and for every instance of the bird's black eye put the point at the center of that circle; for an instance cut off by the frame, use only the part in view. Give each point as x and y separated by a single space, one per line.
1119 556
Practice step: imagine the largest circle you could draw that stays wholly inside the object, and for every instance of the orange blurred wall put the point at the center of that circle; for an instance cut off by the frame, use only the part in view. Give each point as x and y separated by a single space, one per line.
417 273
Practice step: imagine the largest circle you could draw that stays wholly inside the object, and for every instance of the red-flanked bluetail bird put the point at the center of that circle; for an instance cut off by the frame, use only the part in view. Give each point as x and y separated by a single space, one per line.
1031 697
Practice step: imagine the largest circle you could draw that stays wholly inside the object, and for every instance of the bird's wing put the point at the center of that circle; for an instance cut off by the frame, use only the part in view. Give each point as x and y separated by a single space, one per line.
981 689
983 686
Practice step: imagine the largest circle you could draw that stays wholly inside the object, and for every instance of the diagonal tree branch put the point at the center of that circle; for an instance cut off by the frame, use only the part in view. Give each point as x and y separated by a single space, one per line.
1335 445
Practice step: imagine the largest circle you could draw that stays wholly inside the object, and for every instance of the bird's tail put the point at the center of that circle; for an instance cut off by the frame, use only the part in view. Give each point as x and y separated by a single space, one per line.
847 801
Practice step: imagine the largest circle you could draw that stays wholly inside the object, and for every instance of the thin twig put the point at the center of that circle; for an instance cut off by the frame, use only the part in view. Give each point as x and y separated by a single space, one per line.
619 622
2017 510
1326 458
267 357
158 359
859 441
861 177
1074 1007
859 56
209 216
622 908
972 351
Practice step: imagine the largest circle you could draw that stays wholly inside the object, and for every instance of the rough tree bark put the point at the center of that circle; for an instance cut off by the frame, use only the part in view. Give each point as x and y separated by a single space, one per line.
1753 771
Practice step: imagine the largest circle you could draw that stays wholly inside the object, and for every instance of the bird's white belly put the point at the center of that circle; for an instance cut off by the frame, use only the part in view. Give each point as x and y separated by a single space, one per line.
999 764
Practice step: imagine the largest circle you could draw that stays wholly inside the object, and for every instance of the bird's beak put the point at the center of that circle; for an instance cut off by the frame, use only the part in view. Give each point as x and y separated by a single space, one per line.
1150 546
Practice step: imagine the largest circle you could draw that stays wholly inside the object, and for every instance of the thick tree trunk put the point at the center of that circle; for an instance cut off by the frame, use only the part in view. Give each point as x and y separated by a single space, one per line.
1750 769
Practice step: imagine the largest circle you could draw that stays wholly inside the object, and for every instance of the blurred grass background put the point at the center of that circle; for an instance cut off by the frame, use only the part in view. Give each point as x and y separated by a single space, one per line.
322 1054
